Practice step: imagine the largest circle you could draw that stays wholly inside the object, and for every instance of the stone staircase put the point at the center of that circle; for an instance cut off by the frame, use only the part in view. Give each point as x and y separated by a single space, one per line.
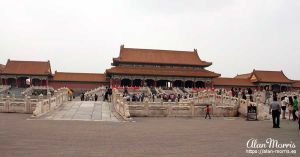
153 90
16 91
98 91
4 88
178 91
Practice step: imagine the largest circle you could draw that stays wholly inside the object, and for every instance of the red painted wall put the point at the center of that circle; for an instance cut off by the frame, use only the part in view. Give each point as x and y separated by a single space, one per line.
76 85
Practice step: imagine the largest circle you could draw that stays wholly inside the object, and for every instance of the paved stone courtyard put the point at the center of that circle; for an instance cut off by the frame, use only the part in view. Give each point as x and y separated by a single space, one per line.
82 110
145 137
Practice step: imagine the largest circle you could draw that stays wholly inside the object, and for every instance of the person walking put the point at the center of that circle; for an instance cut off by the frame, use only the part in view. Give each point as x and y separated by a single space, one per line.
275 111
105 96
267 96
299 116
207 111
153 97
291 104
295 108
96 97
109 90
82 97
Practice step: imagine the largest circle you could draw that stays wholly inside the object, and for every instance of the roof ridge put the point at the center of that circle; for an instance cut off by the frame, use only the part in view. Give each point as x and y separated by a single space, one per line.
160 50
233 78
243 74
28 61
267 70
77 73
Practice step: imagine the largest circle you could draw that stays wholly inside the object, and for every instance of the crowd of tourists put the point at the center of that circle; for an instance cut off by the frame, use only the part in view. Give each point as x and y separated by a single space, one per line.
88 97
95 97
287 104
139 96
164 97
172 97
107 94
235 92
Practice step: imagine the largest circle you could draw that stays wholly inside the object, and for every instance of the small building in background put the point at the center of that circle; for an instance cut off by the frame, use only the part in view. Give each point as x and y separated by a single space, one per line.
1 70
228 83
274 80
16 73
78 81
296 85
259 79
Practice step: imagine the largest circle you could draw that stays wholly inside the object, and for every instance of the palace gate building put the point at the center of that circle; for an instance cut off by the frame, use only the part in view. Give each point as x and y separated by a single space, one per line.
160 68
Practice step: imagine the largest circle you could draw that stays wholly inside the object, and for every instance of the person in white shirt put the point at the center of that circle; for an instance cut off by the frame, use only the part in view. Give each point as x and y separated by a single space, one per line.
284 104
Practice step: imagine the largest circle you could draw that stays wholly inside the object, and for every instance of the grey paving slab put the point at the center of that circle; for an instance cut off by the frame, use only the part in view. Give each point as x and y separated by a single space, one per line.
97 113
82 110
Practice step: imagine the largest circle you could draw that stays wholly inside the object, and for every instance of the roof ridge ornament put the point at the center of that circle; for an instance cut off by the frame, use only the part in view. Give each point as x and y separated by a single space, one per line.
195 50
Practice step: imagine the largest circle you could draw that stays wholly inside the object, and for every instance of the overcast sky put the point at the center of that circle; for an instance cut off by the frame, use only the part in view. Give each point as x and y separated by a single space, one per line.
83 36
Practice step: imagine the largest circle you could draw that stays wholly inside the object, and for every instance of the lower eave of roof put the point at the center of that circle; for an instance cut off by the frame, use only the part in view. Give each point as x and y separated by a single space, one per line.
274 82
78 81
161 75
235 85
27 74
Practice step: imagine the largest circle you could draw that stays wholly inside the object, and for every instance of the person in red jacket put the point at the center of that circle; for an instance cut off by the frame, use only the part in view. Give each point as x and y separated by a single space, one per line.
207 111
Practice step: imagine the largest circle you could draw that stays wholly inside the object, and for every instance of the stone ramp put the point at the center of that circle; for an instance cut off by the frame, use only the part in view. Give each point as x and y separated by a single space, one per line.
266 110
82 110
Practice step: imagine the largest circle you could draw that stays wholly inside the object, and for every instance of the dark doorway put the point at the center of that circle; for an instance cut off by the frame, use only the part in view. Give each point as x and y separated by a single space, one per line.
126 82
137 82
162 83
178 83
149 83
276 88
189 84
36 82
11 82
200 84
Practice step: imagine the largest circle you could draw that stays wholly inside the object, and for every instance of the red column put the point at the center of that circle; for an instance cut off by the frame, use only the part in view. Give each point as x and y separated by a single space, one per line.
209 84
119 82
154 83
142 83
110 82
47 82
17 82
131 83
113 83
